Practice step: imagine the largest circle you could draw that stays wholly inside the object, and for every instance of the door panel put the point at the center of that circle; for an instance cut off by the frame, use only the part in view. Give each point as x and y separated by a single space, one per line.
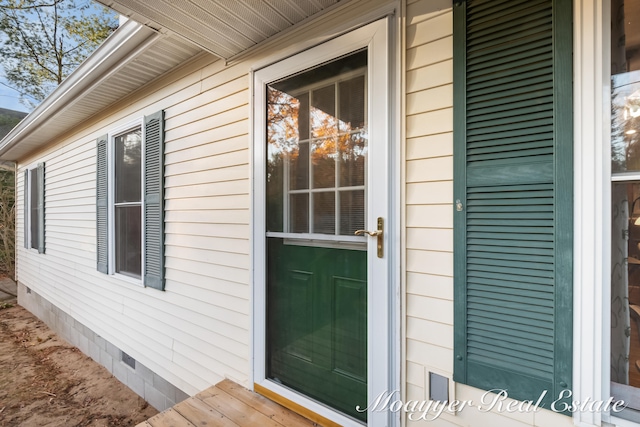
316 337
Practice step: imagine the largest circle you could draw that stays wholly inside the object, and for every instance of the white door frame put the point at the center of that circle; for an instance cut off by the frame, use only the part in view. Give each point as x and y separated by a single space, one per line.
592 209
383 295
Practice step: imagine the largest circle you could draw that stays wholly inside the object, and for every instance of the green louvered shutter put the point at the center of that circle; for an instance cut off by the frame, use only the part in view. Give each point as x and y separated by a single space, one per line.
513 196
40 202
154 200
102 210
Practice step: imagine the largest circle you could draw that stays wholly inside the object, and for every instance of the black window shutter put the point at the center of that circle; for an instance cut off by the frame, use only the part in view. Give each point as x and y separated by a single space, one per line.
25 219
154 200
40 202
102 191
513 196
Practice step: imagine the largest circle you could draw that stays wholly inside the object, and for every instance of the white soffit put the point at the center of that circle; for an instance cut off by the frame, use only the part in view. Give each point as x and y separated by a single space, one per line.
130 58
222 27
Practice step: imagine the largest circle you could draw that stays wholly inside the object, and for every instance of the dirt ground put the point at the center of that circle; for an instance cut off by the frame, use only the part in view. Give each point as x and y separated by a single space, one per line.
46 382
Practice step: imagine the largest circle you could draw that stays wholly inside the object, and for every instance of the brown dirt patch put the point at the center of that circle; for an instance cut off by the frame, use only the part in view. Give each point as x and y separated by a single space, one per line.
45 381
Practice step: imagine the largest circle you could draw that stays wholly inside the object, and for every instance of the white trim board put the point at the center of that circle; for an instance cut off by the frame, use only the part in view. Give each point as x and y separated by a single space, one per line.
592 201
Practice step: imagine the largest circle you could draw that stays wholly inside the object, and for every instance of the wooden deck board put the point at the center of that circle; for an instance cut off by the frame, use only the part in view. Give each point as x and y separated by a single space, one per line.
227 404
201 414
169 418
261 404
236 410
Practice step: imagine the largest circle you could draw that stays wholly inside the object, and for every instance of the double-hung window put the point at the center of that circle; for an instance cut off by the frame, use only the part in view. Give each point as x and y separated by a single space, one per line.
34 208
129 202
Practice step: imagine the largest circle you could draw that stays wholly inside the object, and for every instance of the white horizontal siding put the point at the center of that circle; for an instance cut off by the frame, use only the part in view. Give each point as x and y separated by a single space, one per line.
428 197
197 331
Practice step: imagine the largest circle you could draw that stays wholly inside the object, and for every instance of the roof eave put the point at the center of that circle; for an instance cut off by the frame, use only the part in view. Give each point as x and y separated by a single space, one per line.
104 61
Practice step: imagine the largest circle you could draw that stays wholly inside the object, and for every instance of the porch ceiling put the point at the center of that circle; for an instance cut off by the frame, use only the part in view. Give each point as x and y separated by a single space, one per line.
222 27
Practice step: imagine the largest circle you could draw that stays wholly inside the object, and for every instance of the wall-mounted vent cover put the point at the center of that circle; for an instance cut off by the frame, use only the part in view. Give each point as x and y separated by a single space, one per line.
129 360
438 387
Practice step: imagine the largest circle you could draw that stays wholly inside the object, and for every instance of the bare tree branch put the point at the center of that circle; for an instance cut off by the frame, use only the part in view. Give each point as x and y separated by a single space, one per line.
44 42
30 7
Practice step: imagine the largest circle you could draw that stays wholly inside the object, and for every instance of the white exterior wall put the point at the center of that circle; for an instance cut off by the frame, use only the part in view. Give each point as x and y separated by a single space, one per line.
197 331
429 221
429 194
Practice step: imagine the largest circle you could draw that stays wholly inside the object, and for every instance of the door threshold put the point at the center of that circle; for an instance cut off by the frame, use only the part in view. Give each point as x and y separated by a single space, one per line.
295 407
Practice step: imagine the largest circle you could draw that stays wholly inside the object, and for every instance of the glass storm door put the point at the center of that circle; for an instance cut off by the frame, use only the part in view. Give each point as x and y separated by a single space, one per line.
321 313
316 201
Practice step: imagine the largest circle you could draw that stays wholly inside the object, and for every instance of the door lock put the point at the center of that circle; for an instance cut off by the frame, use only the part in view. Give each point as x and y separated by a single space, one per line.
379 233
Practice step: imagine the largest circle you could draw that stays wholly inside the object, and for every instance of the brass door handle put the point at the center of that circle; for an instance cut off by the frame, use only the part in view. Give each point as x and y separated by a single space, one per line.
370 233
379 233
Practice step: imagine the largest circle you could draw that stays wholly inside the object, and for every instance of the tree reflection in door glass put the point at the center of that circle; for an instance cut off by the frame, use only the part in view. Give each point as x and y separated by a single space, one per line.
317 140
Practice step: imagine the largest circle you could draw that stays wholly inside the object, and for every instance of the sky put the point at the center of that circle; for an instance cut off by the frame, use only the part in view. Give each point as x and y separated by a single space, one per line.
10 98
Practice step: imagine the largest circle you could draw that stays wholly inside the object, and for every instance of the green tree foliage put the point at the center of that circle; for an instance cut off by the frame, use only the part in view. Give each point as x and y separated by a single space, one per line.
43 41
8 119
7 221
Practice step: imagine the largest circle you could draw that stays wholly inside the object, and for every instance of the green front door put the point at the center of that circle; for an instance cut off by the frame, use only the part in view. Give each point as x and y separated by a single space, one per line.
316 269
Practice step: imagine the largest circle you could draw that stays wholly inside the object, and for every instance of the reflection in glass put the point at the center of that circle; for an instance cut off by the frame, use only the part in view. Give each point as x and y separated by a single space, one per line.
324 163
128 162
351 102
34 208
625 122
303 116
299 175
353 152
625 84
299 213
316 139
128 240
128 203
323 113
275 193
352 212
625 283
324 212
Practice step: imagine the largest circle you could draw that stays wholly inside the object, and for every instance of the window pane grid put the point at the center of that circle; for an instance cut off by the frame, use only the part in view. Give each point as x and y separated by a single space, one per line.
128 229
317 143
334 142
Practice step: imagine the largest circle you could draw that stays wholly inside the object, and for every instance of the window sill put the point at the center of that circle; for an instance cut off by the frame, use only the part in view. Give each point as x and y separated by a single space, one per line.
631 418
128 279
